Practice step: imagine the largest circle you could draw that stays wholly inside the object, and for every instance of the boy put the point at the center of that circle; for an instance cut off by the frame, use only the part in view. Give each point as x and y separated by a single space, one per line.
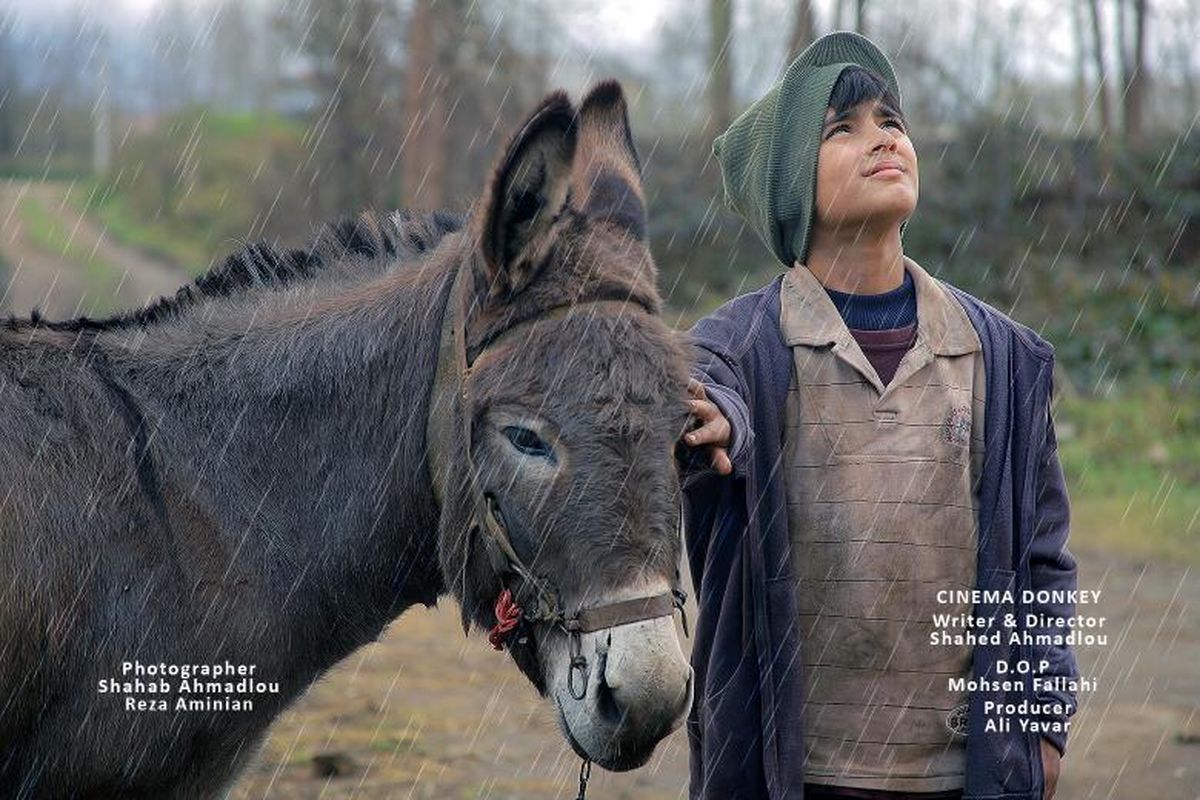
881 450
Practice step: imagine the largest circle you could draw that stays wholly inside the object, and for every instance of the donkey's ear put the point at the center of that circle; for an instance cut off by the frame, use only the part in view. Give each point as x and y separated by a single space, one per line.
607 175
527 192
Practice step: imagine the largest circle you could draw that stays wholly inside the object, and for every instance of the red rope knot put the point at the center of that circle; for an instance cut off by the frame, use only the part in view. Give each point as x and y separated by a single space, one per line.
508 615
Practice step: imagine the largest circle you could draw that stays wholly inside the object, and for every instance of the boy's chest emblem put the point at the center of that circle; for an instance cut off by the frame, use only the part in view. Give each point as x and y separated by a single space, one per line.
957 427
957 719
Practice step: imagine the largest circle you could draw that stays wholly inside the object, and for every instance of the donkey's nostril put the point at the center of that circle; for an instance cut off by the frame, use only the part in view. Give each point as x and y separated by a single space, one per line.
607 707
602 646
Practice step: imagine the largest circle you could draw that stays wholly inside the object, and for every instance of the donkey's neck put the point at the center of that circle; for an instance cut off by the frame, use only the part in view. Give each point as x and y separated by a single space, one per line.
289 438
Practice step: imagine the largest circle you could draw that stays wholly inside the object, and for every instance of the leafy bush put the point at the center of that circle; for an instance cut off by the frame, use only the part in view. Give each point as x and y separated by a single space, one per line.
198 184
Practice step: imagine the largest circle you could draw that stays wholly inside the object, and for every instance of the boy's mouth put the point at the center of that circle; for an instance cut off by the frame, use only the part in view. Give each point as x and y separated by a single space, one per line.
886 167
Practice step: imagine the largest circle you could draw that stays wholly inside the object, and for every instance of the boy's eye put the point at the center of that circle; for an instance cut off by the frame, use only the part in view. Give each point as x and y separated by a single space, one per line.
844 127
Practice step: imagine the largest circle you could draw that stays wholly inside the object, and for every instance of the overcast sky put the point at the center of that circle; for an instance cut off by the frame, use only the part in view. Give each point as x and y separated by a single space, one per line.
633 26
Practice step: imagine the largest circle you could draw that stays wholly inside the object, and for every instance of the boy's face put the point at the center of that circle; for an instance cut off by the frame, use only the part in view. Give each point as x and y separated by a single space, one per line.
850 190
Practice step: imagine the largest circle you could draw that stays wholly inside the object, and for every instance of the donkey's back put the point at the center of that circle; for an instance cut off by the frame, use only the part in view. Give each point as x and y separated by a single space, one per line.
110 551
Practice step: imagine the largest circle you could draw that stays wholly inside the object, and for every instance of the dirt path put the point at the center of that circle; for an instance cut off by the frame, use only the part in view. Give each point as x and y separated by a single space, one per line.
84 271
427 714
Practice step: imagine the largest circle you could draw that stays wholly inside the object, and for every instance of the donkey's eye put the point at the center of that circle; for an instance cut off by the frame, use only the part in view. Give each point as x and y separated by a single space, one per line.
528 442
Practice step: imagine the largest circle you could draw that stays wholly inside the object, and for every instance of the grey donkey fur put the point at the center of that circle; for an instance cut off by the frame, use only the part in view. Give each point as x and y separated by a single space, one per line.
239 473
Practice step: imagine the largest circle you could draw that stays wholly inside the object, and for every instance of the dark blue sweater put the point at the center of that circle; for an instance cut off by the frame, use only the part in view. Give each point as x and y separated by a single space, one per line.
877 312
745 728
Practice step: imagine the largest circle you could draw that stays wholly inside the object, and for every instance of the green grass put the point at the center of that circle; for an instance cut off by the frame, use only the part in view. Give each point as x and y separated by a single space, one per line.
46 232
131 229
40 169
231 125
189 211
1132 463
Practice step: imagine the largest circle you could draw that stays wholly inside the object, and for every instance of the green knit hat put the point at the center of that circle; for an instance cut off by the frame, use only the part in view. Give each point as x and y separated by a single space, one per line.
768 156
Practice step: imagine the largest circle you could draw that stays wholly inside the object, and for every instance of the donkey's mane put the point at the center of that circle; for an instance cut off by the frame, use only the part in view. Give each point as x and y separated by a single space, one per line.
401 236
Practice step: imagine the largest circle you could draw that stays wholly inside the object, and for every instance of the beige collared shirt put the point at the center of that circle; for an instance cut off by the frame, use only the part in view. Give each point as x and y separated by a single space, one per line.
882 484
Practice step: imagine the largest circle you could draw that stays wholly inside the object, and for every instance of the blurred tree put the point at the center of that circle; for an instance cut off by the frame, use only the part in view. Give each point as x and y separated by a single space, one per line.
171 80
803 29
677 92
839 15
1078 31
495 72
860 17
423 156
1185 45
237 73
102 109
352 76
720 81
472 71
1134 75
1106 118
9 90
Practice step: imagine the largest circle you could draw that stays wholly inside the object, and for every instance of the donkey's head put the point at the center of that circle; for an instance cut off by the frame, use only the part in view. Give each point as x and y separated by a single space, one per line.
575 395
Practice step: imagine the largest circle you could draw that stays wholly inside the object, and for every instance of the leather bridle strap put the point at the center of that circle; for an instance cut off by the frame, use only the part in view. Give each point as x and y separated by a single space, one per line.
597 618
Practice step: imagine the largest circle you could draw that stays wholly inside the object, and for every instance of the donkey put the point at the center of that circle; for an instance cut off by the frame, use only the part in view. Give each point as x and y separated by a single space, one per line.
258 474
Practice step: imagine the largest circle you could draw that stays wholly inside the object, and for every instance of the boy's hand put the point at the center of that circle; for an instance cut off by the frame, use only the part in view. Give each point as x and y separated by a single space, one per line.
711 430
1050 767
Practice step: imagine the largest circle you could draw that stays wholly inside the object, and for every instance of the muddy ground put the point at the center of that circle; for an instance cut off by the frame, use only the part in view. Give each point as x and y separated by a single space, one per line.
425 713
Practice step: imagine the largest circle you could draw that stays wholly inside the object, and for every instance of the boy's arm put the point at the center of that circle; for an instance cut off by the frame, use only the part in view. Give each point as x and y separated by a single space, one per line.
719 382
1052 566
